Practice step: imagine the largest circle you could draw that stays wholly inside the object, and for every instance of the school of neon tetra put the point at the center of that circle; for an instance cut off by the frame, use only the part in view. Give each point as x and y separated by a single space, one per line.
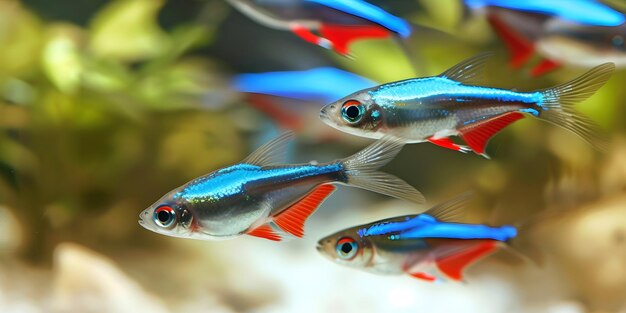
264 196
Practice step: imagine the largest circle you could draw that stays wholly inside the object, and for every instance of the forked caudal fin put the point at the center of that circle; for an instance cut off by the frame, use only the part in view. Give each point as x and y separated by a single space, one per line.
558 104
361 169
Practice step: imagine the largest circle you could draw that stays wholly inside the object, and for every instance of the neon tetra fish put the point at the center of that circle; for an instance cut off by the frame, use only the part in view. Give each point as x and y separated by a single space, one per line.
423 246
332 24
434 108
573 32
251 197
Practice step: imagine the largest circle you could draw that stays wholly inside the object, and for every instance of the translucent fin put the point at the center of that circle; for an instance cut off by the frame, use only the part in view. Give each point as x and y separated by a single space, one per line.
454 265
293 218
470 71
451 210
361 169
271 153
558 104
265 231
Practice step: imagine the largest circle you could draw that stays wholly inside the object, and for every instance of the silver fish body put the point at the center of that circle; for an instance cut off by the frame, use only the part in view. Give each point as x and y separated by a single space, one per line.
250 197
451 104
419 245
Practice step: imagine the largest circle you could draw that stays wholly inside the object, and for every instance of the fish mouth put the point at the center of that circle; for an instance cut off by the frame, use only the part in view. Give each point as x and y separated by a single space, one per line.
323 114
142 221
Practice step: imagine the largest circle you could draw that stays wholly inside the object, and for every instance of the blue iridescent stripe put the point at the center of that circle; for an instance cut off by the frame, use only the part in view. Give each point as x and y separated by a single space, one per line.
421 88
230 181
325 84
369 12
426 226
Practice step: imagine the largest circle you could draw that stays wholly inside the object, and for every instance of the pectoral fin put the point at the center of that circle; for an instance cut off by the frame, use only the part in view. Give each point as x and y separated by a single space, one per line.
293 218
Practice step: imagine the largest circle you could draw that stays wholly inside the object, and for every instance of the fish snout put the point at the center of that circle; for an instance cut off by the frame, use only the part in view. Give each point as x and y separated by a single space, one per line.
143 219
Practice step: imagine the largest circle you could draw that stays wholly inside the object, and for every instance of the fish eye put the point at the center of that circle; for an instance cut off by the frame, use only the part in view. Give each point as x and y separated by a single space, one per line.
164 216
346 248
352 111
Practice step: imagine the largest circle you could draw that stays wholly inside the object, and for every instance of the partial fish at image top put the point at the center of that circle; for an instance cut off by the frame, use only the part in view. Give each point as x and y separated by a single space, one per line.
453 104
263 197
432 246
332 24
580 33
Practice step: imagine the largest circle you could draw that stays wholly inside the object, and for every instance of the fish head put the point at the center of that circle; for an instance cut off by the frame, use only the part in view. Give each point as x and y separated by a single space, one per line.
169 216
357 114
347 248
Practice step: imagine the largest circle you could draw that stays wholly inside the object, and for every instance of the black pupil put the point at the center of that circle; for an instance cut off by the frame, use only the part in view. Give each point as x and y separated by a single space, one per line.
346 248
163 216
352 112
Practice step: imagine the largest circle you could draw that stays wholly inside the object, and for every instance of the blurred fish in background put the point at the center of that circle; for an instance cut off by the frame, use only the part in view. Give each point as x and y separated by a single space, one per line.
289 97
106 105
580 33
337 23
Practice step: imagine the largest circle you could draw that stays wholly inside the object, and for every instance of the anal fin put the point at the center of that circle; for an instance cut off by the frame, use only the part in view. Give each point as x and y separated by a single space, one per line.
265 231
477 135
520 48
448 143
342 35
293 218
453 265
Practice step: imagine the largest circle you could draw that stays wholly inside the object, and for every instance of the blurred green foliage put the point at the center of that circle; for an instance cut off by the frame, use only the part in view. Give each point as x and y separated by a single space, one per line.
87 113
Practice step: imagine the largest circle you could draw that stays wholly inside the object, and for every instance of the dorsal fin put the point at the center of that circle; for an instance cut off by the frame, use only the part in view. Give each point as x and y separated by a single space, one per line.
271 153
470 71
451 210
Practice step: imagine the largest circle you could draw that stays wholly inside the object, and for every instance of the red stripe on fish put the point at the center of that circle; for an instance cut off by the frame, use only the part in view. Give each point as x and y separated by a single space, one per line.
306 34
423 276
520 48
265 231
280 116
447 143
454 265
543 67
293 218
341 35
477 135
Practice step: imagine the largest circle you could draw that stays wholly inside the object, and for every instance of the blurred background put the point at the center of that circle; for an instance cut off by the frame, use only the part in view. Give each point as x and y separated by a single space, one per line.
107 105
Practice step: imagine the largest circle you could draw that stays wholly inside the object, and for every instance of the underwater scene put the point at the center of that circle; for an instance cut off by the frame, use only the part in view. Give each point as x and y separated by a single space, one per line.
313 156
